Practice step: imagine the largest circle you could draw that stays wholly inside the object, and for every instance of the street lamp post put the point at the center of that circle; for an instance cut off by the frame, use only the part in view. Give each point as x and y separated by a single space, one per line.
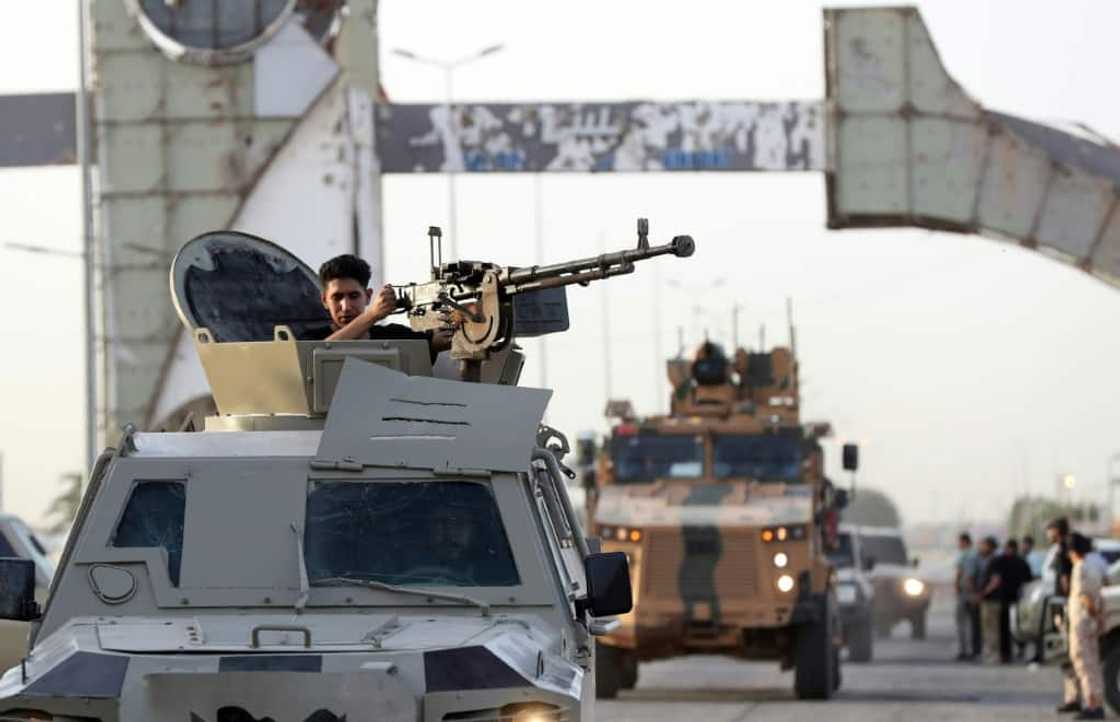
449 67
1112 480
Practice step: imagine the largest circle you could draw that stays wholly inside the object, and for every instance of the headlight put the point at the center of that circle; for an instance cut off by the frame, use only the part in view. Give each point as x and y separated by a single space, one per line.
795 532
531 712
913 587
785 583
620 533
781 560
847 593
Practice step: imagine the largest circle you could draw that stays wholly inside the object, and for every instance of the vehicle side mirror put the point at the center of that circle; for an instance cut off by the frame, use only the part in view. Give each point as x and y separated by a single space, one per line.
915 562
851 457
17 590
608 584
868 563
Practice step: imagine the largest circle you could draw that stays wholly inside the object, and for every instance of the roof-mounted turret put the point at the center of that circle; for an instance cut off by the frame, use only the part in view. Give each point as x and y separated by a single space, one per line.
250 305
750 383
247 303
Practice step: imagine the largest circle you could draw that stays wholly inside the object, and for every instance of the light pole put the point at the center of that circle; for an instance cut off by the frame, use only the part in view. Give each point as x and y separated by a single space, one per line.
1112 480
448 67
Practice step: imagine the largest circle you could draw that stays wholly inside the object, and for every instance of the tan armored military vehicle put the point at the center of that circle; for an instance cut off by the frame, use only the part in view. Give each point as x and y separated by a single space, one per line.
350 538
726 515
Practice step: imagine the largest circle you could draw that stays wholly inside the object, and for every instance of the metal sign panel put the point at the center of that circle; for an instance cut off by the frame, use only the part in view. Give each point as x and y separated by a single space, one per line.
595 137
37 130
381 417
908 147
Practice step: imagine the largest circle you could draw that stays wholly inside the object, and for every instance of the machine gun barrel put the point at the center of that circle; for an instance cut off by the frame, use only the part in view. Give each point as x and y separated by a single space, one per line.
584 270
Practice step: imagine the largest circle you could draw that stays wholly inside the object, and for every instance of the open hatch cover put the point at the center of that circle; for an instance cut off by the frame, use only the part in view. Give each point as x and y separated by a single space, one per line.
240 287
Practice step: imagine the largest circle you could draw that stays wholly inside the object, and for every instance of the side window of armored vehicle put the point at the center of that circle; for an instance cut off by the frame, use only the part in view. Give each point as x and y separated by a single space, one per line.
760 457
841 556
884 549
644 458
154 517
428 533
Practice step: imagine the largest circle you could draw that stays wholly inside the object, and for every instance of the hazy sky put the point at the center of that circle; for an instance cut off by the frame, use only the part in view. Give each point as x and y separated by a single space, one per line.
970 370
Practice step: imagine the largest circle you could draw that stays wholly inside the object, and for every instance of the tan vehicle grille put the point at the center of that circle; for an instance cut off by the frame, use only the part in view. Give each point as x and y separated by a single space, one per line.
733 552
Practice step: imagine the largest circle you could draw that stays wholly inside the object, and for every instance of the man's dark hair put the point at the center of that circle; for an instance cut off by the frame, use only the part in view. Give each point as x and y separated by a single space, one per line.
1012 544
1061 524
345 266
1028 540
1080 543
965 537
992 542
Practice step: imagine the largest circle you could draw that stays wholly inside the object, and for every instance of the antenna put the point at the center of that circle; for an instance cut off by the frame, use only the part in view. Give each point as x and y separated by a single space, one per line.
792 328
435 250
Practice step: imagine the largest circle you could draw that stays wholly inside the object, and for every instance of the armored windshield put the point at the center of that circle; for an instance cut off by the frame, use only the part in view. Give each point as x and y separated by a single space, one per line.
647 457
763 457
883 549
444 533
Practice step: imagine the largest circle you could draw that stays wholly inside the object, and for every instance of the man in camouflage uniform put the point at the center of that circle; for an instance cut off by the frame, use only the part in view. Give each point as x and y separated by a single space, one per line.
1085 609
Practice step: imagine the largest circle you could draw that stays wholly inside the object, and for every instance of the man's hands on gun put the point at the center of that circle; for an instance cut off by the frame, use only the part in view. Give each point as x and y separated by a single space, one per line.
382 304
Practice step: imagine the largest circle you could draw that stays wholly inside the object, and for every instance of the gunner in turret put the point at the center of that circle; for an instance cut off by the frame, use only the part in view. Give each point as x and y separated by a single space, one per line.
356 312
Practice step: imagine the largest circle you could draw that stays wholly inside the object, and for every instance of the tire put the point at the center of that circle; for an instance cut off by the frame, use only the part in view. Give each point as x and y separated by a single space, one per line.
629 669
608 671
837 677
815 674
918 626
861 642
1111 663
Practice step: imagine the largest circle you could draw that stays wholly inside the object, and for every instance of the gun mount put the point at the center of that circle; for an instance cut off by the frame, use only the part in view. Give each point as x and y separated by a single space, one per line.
477 298
255 313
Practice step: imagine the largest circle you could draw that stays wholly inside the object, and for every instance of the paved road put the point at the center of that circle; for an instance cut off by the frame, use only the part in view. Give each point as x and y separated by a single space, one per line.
908 681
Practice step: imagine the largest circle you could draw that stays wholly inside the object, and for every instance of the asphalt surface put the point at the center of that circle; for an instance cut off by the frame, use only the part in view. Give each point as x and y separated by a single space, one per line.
908 680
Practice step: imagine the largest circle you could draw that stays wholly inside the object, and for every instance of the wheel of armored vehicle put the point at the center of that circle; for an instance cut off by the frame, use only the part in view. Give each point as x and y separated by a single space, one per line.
609 671
918 626
629 670
861 642
816 667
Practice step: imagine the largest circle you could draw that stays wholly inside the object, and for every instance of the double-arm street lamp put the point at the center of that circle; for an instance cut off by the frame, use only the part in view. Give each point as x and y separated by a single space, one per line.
449 67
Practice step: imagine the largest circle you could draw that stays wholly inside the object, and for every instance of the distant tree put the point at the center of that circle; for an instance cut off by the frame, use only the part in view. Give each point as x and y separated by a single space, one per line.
871 507
64 507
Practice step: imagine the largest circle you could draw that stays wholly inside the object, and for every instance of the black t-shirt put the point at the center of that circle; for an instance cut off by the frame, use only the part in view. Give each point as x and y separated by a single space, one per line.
1063 567
1013 574
390 331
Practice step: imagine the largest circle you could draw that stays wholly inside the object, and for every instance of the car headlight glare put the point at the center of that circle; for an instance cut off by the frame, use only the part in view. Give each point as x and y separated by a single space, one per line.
781 559
785 583
913 587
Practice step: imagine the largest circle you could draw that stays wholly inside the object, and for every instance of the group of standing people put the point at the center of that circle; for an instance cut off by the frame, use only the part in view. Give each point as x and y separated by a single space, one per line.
988 585
989 580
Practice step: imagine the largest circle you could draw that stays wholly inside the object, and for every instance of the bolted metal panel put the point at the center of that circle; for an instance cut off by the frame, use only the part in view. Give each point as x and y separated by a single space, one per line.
907 146
596 137
182 149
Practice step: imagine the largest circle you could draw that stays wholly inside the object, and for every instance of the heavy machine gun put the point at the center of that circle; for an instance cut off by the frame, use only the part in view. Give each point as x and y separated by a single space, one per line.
483 301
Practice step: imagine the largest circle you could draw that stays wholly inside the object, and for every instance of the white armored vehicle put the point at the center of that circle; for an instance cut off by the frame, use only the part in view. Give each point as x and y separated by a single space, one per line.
350 538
